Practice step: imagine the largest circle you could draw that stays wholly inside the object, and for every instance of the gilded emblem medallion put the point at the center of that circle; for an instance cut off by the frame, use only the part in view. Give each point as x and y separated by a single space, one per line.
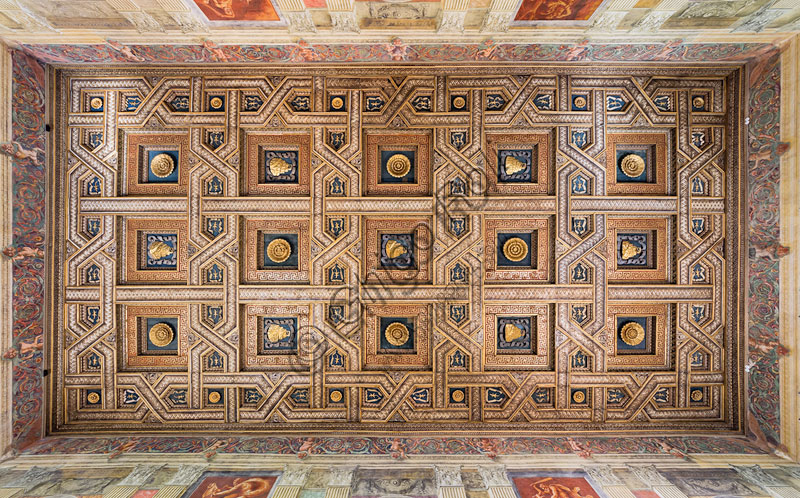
630 250
697 395
457 396
515 249
698 102
216 102
278 166
459 102
160 334
514 165
337 103
279 250
512 332
395 249
93 398
214 397
578 397
96 103
632 334
277 333
336 396
398 165
632 165
162 165
396 333
160 250
580 101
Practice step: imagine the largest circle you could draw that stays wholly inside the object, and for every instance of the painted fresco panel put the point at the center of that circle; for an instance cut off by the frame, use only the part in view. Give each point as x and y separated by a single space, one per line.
556 10
238 10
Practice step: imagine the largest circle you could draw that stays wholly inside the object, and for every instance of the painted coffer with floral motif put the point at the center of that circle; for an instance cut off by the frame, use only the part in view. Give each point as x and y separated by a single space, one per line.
480 248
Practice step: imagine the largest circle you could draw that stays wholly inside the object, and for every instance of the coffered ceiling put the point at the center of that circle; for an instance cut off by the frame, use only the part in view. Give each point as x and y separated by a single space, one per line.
512 248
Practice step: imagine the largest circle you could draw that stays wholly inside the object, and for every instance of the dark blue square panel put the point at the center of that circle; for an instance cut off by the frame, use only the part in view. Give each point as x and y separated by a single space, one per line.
510 248
515 334
279 251
633 334
338 103
396 334
162 166
278 334
160 251
160 335
397 251
280 166
398 166
515 165
626 174
216 103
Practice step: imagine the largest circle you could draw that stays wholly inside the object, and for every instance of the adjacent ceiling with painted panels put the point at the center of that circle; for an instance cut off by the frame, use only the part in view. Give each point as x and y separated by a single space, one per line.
271 21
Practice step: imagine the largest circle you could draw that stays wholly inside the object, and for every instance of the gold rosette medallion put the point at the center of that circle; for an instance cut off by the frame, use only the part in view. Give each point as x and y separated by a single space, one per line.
515 249
161 334
162 165
632 334
396 333
279 250
632 165
398 165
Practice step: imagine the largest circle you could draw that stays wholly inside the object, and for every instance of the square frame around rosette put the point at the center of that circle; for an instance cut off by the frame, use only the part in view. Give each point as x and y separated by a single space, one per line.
277 164
536 265
532 350
397 163
143 149
265 257
529 151
638 249
281 351
630 153
142 350
155 250
397 250
647 345
386 325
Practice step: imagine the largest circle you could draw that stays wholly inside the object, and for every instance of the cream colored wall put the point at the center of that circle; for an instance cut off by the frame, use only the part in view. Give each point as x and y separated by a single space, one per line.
790 236
6 196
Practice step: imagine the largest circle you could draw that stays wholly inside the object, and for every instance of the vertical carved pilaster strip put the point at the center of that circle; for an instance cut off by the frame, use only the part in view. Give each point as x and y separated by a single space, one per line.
772 485
291 481
612 485
340 480
184 477
657 482
448 481
789 279
128 486
495 478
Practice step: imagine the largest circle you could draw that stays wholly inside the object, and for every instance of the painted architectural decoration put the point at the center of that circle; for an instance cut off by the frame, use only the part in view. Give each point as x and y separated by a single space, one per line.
372 479
568 255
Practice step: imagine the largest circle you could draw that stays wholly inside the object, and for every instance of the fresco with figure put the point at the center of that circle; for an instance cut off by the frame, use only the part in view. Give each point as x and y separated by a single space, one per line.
526 248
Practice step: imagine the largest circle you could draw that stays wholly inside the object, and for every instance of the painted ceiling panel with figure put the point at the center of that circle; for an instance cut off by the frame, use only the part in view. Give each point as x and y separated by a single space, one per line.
485 248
